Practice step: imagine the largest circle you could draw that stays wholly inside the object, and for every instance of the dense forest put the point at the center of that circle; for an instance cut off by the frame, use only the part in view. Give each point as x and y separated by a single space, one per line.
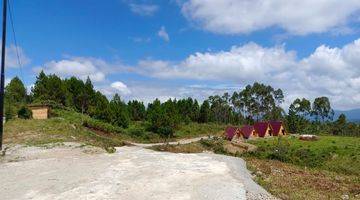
255 102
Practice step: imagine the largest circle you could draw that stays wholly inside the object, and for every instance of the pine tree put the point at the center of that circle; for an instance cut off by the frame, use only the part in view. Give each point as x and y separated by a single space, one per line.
15 91
137 110
40 88
118 112
100 110
15 97
49 88
204 115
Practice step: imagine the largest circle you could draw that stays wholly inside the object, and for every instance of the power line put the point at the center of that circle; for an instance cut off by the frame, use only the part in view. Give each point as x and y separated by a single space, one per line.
15 40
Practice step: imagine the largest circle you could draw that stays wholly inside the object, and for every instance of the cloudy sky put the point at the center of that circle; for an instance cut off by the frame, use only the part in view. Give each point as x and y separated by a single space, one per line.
148 49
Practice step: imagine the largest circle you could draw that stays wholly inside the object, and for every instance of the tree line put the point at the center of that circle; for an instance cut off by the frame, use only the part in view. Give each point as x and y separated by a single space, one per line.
256 102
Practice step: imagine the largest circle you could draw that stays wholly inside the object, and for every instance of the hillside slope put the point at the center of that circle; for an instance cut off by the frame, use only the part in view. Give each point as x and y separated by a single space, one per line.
65 127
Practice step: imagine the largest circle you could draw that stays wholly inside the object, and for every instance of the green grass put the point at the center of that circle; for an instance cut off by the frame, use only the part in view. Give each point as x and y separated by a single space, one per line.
196 130
65 127
70 126
333 153
102 126
137 131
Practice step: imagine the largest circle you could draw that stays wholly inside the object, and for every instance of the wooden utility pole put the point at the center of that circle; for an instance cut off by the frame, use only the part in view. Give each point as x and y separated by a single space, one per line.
2 83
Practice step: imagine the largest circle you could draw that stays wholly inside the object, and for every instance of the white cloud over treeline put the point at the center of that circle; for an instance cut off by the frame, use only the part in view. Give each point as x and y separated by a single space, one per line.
329 71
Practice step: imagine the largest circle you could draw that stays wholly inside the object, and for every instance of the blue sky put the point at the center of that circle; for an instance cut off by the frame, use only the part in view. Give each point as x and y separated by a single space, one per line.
177 48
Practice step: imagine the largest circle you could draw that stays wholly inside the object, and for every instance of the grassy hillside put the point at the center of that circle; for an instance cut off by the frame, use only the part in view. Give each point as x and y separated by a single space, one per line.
196 130
65 127
294 169
332 153
68 126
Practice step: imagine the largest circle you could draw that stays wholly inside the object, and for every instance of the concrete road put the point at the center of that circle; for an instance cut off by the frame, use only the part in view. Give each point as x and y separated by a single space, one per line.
73 172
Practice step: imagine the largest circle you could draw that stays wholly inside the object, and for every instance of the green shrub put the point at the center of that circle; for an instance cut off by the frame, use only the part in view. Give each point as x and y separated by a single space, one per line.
102 126
280 151
136 131
51 103
24 113
216 145
165 131
10 112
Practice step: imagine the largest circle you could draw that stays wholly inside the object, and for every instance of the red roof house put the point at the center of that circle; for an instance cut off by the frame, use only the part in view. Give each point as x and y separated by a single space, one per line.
263 129
277 128
247 131
230 132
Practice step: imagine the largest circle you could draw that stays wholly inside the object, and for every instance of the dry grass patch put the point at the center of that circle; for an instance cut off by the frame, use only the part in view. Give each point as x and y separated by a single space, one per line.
195 147
216 145
55 130
288 181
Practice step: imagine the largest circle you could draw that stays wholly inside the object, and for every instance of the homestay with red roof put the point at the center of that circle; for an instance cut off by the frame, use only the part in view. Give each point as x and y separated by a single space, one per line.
248 131
263 129
277 128
230 132
260 129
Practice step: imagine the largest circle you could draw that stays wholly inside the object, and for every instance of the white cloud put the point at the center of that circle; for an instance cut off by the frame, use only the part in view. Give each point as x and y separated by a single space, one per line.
12 57
295 17
144 9
120 87
81 67
332 72
163 34
116 87
246 63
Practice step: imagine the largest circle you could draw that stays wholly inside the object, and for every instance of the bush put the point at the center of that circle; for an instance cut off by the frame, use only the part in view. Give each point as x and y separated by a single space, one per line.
216 145
51 103
280 151
165 131
102 126
24 113
136 131
10 112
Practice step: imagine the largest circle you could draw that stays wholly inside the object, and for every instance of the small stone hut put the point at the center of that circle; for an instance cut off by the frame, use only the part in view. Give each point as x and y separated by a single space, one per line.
40 111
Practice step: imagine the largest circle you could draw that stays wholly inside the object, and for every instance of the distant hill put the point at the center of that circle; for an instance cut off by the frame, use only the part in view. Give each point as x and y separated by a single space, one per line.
351 115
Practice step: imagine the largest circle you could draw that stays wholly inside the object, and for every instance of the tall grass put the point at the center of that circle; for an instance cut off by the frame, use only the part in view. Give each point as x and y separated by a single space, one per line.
333 153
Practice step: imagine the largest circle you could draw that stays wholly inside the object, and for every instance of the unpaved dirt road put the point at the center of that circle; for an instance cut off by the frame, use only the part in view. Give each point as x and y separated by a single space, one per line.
182 141
74 172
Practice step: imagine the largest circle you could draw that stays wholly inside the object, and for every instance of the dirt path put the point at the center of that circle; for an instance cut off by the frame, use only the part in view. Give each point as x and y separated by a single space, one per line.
182 141
75 172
